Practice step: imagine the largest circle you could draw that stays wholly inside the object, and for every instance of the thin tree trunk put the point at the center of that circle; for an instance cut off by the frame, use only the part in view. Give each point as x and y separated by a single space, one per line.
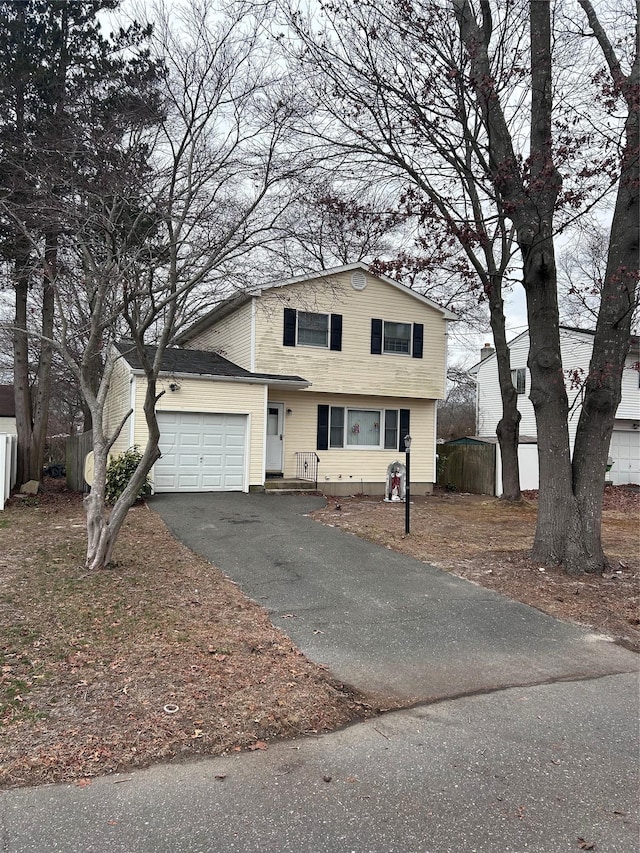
104 524
508 429
43 381
22 389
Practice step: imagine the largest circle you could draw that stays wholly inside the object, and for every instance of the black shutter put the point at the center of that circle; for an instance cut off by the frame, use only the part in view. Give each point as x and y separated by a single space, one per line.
289 337
404 427
336 332
376 337
418 332
322 442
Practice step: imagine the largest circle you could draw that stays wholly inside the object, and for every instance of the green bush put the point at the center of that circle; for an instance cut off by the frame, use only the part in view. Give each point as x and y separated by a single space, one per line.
119 472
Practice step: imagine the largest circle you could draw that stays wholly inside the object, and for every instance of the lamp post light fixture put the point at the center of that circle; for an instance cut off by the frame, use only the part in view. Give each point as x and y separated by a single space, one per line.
407 481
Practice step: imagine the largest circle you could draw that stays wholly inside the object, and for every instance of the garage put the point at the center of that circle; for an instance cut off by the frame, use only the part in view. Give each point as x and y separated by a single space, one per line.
625 452
201 452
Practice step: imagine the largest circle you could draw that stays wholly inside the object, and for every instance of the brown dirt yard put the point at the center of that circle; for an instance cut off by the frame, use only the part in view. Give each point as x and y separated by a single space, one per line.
162 656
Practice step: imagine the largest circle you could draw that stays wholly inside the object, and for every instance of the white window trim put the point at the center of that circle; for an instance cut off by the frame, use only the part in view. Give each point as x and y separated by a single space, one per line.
514 379
315 314
382 422
395 352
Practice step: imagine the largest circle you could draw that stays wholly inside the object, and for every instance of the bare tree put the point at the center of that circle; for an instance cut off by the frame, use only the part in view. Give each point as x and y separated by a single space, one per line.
332 224
581 272
457 412
173 221
61 81
570 505
463 105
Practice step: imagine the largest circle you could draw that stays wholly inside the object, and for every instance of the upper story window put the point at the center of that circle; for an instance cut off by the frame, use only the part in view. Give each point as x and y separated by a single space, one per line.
313 329
389 336
397 337
307 328
519 377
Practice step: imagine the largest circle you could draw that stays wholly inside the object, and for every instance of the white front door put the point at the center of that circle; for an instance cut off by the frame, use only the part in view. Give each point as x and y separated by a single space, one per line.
275 416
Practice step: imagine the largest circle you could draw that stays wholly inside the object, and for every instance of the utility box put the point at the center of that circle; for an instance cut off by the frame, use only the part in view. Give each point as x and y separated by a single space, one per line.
396 482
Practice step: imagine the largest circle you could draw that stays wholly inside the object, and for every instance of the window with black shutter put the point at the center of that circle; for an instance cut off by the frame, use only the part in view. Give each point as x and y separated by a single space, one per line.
376 337
322 442
289 335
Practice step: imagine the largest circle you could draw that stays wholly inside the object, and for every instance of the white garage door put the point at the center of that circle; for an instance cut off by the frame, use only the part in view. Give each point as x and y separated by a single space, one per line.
625 451
201 452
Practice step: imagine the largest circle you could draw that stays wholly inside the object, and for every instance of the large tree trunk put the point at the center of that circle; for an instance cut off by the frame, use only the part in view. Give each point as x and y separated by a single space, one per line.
556 504
610 346
570 499
549 398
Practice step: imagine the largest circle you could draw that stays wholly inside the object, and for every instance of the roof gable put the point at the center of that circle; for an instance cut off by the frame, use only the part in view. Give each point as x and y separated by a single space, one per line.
565 331
233 303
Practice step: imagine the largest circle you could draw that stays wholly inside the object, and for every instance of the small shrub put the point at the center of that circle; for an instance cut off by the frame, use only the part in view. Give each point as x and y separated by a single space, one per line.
119 472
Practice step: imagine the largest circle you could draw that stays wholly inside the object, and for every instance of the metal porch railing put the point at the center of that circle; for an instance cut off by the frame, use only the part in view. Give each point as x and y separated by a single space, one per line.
307 466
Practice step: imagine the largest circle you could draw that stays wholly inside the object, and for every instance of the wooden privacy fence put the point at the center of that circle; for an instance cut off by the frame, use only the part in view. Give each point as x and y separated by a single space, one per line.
467 468
77 448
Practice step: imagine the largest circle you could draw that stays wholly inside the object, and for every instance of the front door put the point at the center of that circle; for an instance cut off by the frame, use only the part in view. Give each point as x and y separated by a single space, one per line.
275 415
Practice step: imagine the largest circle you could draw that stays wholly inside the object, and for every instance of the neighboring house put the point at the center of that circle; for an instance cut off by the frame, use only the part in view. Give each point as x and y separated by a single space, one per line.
336 366
576 346
7 410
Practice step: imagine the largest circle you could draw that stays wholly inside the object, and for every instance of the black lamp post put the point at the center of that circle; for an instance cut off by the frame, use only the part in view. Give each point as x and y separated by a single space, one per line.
407 480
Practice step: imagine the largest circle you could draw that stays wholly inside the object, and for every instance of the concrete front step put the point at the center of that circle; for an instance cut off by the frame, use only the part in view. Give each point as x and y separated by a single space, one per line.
282 485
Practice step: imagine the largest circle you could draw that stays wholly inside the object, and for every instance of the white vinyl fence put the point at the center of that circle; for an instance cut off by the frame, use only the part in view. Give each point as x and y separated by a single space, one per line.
8 464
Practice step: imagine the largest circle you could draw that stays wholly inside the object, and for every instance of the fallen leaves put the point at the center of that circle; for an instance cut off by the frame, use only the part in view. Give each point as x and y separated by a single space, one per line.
88 698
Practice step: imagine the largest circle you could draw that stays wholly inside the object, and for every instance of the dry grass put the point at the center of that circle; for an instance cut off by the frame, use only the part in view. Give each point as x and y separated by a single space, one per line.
487 541
93 665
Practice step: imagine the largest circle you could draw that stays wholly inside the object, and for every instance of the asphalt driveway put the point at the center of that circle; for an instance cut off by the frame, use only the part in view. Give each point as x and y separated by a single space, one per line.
382 622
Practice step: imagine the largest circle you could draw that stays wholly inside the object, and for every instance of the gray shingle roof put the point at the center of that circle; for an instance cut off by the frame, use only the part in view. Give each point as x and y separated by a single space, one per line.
199 363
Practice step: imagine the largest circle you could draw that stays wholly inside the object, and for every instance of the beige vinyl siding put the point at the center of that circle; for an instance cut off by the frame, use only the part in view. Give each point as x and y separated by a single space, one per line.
207 395
118 404
354 369
354 464
231 338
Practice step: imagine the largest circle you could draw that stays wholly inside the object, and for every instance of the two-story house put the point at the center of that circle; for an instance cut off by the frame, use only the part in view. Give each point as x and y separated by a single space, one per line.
338 366
576 346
